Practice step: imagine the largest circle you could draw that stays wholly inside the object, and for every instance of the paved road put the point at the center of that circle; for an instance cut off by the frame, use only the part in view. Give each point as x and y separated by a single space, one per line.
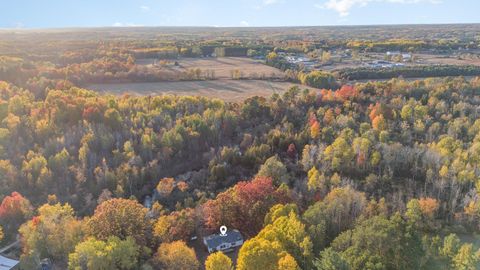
4 249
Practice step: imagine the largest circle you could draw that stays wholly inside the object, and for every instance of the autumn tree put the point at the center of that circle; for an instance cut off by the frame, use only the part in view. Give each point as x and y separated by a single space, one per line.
14 210
420 212
178 225
287 262
114 253
165 187
53 234
258 253
316 181
122 218
466 258
339 154
379 123
451 245
273 168
244 206
176 256
284 236
36 171
346 92
315 130
429 207
280 210
218 261
318 79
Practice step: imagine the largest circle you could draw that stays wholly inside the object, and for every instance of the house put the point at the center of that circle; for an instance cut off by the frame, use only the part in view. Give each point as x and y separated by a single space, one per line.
8 264
217 242
406 57
395 53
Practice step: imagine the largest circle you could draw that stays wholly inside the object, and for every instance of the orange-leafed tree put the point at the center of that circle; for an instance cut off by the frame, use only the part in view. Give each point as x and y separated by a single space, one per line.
379 123
346 92
428 206
14 210
381 109
315 130
165 186
178 225
122 218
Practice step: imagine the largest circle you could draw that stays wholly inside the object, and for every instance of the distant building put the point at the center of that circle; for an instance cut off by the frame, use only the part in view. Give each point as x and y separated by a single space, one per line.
406 57
8 264
384 64
393 53
216 242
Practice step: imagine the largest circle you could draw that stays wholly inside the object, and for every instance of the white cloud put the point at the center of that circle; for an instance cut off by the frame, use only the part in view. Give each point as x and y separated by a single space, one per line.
343 7
244 23
145 8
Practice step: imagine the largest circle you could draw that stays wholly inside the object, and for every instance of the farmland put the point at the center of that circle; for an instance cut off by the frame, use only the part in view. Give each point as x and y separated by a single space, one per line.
222 86
223 67
228 90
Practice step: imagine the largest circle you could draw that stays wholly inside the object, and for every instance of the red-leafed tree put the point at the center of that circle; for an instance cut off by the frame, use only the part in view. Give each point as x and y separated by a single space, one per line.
292 151
14 210
244 206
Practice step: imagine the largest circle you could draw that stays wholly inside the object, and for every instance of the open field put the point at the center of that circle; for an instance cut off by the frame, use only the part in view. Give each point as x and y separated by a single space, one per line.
473 59
228 90
223 66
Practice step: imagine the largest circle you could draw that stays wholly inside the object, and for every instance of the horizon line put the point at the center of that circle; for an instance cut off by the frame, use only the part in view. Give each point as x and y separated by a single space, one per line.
220 27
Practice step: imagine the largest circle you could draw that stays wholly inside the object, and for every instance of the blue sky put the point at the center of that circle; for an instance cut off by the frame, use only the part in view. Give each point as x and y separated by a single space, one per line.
93 13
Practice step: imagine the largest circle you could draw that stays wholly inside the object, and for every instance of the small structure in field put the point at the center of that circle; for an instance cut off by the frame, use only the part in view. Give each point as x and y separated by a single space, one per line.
218 242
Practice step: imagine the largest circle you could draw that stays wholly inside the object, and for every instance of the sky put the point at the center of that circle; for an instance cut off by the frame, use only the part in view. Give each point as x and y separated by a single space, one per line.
236 13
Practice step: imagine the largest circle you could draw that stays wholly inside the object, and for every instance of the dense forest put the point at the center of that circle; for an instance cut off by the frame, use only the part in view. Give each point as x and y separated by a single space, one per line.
342 176
371 176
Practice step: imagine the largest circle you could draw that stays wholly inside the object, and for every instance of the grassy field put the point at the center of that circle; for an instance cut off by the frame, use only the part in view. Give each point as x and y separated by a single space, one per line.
228 90
223 87
223 66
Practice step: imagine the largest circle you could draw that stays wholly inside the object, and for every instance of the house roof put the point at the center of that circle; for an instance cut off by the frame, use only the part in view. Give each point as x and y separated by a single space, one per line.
216 240
6 263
